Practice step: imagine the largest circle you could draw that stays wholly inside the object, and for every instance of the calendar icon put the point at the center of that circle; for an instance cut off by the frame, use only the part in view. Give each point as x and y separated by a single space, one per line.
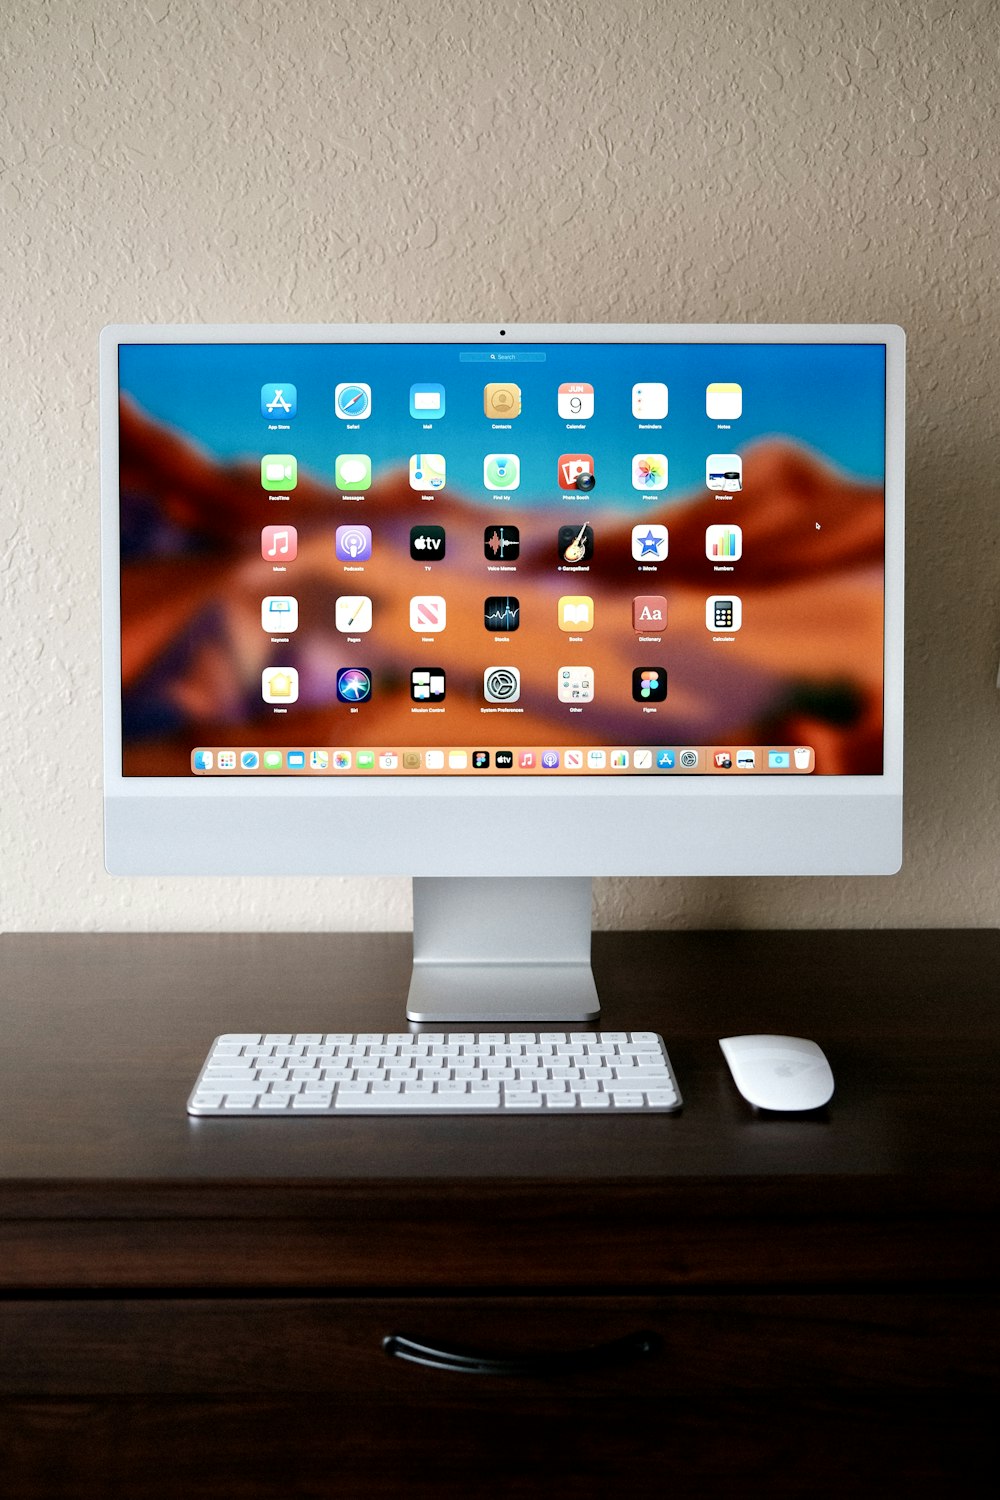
576 401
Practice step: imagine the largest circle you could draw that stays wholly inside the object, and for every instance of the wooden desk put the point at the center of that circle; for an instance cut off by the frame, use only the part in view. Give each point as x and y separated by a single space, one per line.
194 1308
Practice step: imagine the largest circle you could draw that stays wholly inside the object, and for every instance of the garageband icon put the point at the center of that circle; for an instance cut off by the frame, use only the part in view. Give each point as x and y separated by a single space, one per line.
354 685
502 613
354 543
501 684
501 543
576 544
279 543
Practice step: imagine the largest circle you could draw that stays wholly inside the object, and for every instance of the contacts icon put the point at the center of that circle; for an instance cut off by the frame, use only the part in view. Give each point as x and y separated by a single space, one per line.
502 401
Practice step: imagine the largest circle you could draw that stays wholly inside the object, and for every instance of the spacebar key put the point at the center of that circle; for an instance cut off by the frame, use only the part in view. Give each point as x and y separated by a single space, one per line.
417 1104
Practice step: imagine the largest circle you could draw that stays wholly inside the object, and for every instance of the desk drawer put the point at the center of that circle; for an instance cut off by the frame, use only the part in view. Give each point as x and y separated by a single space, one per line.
280 1346
264 1398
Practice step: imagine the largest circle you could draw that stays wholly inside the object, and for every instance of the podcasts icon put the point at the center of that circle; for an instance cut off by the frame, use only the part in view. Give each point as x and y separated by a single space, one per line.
354 543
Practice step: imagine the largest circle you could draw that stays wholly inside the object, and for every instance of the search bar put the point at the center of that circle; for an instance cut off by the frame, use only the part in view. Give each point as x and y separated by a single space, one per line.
502 357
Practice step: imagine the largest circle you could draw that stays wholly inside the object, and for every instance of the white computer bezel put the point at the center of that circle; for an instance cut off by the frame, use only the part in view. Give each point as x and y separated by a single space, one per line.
421 826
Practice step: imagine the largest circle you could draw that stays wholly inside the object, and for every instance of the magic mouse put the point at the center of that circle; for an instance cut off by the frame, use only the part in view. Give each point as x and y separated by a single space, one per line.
779 1072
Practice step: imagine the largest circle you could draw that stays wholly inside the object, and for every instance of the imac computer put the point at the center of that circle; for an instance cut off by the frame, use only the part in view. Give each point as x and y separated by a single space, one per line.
501 609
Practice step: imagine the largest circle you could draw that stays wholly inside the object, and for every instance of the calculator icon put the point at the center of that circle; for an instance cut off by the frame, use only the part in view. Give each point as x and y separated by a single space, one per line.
723 612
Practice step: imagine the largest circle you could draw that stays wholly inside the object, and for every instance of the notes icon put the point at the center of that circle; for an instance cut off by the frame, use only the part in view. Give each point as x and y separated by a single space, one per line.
279 543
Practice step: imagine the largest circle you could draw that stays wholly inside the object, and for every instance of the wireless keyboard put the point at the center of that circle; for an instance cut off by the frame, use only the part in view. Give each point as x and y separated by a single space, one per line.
456 1073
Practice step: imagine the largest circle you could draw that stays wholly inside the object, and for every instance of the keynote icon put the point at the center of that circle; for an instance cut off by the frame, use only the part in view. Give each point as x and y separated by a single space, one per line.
279 614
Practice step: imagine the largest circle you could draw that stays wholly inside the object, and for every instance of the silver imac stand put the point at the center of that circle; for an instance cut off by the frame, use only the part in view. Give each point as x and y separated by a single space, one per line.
501 950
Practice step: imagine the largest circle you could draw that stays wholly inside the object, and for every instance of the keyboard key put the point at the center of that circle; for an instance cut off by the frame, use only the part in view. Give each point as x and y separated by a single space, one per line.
207 1101
407 1103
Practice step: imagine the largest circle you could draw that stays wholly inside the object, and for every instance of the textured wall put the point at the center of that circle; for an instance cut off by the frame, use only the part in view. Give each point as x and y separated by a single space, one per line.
752 160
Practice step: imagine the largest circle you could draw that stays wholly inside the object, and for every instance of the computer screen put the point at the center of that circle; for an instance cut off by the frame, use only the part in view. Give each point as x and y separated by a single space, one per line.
486 602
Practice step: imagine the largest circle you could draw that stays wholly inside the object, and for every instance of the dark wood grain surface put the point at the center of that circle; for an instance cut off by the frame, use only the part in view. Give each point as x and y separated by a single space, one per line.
198 1307
105 1035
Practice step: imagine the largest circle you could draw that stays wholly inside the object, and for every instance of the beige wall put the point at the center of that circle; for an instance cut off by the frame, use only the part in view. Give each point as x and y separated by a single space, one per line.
772 160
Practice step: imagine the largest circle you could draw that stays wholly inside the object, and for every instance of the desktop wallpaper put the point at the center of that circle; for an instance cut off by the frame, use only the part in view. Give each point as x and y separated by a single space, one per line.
756 620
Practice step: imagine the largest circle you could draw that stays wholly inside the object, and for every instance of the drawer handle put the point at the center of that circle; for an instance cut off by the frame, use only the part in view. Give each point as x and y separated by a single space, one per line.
559 1362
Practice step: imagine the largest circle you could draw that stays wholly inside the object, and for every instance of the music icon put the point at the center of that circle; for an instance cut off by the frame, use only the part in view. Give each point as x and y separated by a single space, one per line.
279 543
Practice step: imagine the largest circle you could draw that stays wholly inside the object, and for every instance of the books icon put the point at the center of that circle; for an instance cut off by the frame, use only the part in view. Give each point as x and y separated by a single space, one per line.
576 612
